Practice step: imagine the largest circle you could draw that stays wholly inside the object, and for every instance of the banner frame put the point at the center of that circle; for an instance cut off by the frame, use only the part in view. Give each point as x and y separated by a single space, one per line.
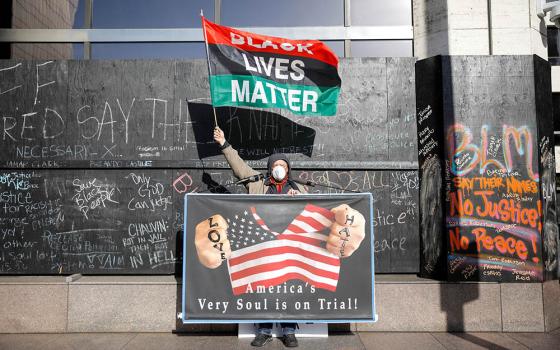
265 197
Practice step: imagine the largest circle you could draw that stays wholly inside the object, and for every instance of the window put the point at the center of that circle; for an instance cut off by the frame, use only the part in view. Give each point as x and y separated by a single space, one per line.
150 13
337 46
381 48
117 51
45 51
166 15
380 13
39 14
286 13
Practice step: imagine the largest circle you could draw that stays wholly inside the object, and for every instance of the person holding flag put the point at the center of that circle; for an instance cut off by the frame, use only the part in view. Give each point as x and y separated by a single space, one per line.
277 181
251 70
345 225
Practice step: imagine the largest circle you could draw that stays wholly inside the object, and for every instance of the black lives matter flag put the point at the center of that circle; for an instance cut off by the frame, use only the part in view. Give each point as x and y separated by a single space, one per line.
252 70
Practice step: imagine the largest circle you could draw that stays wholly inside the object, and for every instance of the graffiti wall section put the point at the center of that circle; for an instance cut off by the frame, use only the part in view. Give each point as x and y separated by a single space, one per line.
494 209
481 132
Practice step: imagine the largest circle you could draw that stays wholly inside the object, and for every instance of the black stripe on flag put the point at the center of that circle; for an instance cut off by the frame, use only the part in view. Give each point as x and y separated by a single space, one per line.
226 60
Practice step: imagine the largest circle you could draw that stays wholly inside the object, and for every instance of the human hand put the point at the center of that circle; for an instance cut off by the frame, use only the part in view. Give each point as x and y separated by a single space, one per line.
212 244
293 192
347 231
219 136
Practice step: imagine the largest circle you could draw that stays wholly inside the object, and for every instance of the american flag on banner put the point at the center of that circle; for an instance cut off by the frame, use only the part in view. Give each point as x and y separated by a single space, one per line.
262 257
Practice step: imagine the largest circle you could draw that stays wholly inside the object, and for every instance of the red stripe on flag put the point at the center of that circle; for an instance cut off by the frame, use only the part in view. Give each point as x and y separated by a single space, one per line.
278 280
310 221
295 229
258 219
281 264
217 34
325 212
281 250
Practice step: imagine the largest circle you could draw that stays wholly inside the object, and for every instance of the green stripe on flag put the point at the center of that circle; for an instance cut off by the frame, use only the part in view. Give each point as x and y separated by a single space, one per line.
253 91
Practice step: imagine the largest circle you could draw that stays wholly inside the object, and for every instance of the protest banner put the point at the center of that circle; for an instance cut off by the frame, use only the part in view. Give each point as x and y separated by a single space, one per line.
250 258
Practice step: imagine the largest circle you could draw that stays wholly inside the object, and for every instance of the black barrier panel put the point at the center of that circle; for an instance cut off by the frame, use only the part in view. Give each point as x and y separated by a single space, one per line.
83 143
395 202
485 128
114 114
61 222
34 111
547 171
431 163
122 109
127 221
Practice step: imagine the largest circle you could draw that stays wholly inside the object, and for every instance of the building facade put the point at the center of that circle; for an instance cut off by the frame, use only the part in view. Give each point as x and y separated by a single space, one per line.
117 45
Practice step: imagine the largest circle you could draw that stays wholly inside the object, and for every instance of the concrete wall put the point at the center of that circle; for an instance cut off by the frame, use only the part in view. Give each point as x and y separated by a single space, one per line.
477 27
516 29
451 27
150 304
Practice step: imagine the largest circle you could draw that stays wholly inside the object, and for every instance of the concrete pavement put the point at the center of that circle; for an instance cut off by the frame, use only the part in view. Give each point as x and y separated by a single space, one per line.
342 341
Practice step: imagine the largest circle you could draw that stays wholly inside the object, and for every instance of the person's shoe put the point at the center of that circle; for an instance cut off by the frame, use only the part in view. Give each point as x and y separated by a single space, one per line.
290 340
261 339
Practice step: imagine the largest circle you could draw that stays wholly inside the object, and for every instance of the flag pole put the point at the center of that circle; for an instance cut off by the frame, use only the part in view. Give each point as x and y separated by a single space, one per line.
209 71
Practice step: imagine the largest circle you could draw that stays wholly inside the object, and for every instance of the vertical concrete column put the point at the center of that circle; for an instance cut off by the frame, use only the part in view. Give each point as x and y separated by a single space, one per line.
515 28
478 27
450 27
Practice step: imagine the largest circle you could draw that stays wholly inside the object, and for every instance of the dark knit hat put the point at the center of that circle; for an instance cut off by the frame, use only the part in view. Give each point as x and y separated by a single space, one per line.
274 157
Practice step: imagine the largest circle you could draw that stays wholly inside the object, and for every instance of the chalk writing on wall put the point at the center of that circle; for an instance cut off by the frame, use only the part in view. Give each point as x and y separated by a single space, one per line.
128 221
96 157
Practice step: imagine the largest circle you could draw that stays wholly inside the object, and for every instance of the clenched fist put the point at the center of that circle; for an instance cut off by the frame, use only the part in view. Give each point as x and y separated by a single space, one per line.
212 244
219 136
347 231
